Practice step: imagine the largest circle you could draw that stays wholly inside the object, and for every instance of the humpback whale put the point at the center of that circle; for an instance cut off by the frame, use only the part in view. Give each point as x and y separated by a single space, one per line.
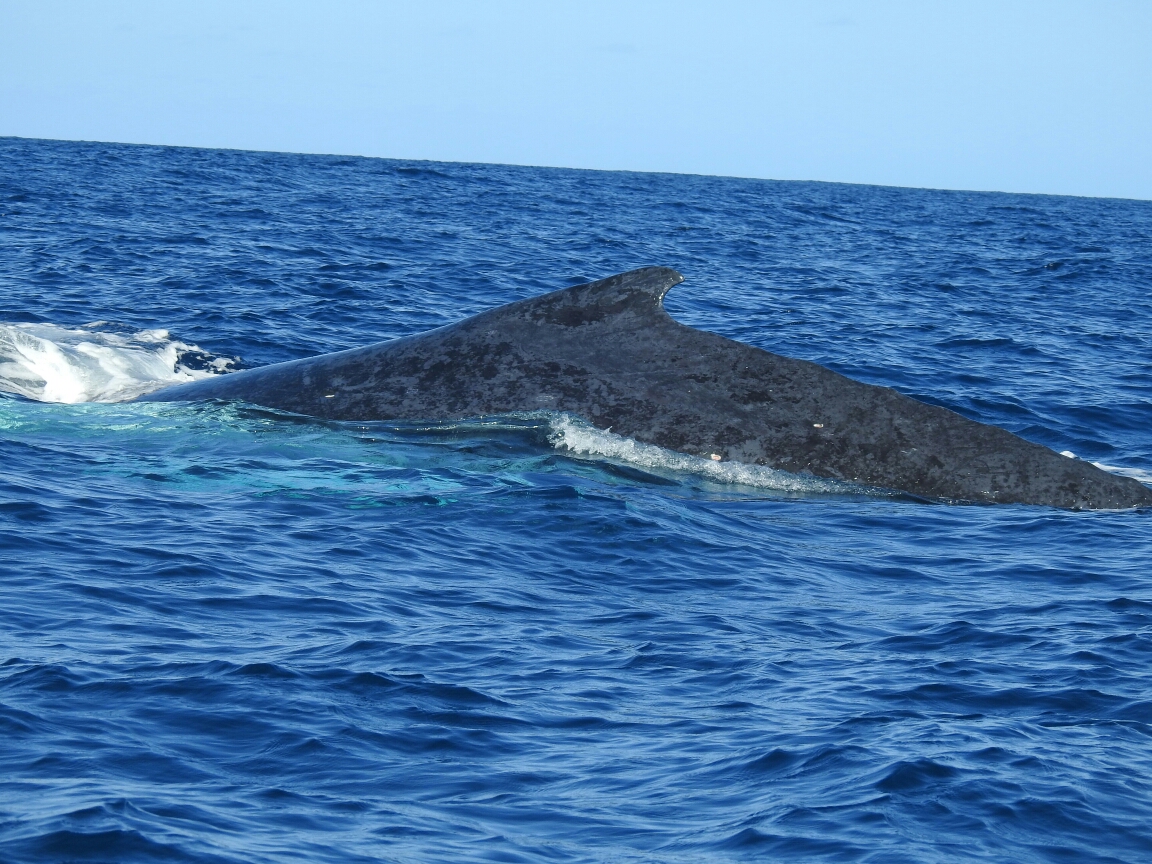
608 352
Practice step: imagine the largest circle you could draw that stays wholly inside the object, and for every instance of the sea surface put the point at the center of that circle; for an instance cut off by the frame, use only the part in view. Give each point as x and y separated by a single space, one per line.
229 634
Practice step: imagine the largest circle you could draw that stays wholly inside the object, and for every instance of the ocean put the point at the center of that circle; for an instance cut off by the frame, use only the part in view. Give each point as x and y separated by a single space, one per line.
230 634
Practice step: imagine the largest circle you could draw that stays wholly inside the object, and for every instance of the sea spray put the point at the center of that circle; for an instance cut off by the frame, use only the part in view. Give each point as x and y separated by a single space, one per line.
50 363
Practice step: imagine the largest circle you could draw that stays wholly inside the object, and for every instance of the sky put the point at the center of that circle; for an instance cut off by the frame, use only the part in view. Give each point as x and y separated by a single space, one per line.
1051 96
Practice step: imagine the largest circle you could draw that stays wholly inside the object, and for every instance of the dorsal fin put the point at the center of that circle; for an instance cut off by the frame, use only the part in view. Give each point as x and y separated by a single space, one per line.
647 285
637 292
644 287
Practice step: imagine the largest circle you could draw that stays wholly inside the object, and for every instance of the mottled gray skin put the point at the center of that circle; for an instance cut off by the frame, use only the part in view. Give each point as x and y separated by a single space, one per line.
608 352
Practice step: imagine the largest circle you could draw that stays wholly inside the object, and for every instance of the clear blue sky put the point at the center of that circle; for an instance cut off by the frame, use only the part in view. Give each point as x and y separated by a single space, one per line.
1016 95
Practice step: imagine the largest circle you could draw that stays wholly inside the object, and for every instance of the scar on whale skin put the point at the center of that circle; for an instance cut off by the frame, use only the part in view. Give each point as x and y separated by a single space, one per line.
608 352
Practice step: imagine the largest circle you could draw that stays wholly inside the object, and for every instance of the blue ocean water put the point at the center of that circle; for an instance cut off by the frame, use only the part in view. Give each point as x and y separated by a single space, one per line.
233 635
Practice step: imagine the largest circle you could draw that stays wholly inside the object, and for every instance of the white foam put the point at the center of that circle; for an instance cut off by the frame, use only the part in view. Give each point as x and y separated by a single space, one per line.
577 436
56 364
1135 473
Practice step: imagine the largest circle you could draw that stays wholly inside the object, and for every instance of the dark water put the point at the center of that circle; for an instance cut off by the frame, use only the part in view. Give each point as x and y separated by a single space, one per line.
228 635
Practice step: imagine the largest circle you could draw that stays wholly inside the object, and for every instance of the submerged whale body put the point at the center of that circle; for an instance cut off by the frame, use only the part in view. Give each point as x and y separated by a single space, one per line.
607 351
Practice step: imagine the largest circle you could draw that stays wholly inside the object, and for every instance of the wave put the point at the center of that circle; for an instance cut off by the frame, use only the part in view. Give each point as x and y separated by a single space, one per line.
96 363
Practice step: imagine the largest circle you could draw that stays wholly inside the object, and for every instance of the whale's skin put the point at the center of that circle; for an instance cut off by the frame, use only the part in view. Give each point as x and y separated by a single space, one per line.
608 352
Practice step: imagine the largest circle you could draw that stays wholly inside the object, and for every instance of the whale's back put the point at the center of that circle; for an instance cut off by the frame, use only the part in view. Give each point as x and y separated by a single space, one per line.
609 352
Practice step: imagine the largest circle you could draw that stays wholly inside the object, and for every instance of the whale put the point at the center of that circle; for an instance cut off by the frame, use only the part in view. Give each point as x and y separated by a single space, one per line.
608 352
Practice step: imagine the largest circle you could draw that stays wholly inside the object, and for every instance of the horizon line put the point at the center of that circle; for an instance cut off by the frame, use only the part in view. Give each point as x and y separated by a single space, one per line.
572 168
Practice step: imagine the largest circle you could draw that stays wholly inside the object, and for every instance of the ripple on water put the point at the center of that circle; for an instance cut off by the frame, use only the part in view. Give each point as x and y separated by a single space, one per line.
228 634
